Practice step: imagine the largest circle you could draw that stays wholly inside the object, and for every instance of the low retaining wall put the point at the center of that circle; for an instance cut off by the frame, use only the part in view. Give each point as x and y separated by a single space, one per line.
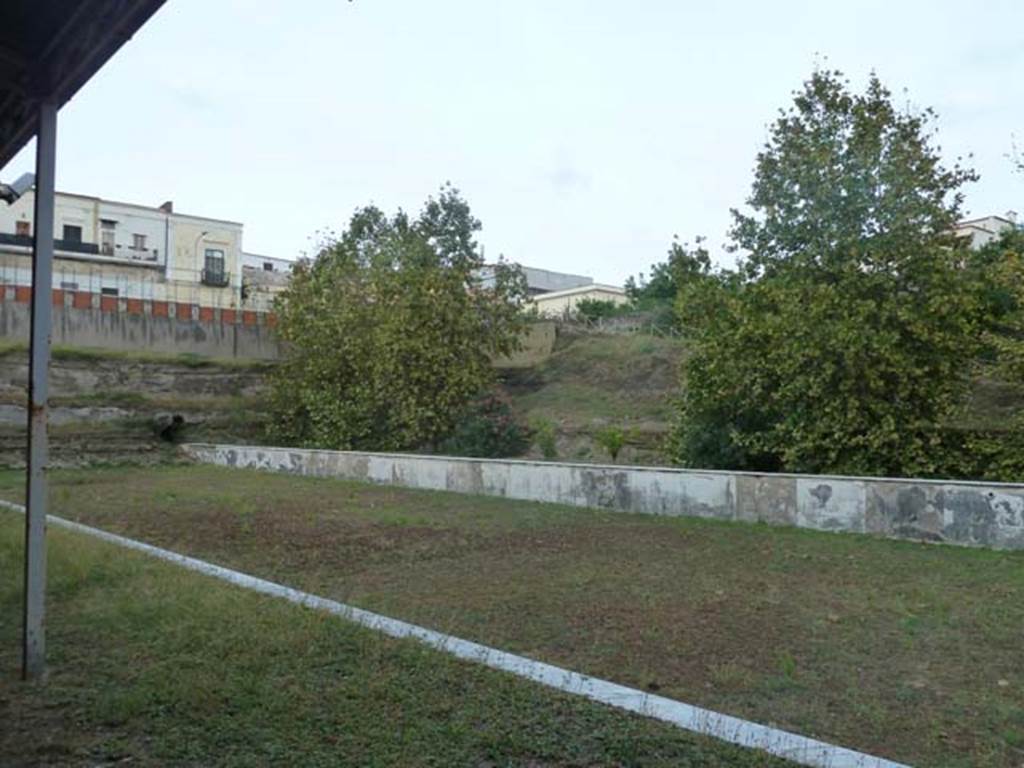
973 514
131 325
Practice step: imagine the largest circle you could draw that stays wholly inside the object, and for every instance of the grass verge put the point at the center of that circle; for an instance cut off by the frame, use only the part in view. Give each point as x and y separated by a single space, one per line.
905 650
152 665
186 359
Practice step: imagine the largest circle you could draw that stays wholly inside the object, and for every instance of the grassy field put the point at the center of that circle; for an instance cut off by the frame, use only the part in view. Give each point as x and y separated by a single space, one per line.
152 665
907 650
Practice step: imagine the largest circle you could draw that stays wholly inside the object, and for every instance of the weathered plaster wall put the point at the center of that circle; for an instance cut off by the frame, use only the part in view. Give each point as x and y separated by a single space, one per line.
146 331
973 514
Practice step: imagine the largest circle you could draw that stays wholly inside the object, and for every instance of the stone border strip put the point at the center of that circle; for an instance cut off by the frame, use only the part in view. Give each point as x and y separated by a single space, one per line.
791 746
953 512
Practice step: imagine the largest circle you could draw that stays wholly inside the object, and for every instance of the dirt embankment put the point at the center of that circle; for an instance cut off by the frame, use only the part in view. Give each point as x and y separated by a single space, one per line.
116 408
595 381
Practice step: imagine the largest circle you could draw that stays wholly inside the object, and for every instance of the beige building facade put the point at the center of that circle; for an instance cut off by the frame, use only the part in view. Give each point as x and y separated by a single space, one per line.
564 303
264 278
128 250
986 229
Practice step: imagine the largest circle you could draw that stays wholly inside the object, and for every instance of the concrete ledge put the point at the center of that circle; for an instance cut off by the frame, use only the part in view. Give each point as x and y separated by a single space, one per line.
967 513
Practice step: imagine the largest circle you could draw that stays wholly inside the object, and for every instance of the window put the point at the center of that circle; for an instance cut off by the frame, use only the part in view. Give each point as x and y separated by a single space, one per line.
64 286
107 236
72 233
213 268
214 260
139 242
108 291
268 266
22 229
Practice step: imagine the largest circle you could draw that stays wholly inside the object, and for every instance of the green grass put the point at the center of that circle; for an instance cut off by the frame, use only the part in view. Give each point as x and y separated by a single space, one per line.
594 380
212 406
8 347
601 377
187 359
153 665
907 650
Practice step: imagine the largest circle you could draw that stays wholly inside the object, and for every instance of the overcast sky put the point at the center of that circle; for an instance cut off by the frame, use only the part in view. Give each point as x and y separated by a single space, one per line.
584 133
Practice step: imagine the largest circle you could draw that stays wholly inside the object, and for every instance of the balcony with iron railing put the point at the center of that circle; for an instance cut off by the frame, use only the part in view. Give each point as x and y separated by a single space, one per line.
216 278
128 253
68 246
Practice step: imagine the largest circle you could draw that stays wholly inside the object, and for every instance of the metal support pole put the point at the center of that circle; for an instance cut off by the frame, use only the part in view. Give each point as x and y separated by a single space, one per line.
34 641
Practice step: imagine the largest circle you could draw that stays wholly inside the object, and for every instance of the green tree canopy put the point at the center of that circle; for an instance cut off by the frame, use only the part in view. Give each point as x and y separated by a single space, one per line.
846 336
667 276
1000 268
390 331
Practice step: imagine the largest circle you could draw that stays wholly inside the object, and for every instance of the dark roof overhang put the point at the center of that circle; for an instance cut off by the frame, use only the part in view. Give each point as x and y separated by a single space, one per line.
49 49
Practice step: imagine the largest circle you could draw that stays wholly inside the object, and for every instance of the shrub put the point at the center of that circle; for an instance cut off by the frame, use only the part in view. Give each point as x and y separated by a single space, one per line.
544 438
487 429
612 439
596 309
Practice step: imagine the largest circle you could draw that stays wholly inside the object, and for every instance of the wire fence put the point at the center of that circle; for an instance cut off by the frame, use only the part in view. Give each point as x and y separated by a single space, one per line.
626 324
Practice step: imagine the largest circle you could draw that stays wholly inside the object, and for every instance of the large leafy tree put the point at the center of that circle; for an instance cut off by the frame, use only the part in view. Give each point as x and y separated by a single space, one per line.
389 332
998 452
1000 267
847 334
656 295
667 276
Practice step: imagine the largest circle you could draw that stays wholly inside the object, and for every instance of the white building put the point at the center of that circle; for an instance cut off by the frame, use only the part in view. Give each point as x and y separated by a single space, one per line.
557 294
564 303
980 232
128 250
263 279
262 263
540 281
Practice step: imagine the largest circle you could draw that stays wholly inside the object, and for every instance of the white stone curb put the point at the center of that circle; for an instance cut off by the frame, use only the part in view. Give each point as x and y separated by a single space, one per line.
799 749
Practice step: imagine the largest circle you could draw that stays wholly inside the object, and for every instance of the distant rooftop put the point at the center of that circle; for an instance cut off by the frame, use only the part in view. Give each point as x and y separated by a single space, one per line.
543 280
164 208
267 265
983 230
1010 217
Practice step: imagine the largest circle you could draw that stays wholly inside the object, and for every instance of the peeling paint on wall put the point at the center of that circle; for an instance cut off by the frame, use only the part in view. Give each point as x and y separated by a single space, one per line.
972 514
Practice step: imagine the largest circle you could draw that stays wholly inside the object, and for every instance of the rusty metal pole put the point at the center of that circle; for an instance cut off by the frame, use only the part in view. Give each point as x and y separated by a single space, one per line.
34 639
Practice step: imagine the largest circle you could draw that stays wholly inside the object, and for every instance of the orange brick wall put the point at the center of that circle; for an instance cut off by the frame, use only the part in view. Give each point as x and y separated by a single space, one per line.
84 300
